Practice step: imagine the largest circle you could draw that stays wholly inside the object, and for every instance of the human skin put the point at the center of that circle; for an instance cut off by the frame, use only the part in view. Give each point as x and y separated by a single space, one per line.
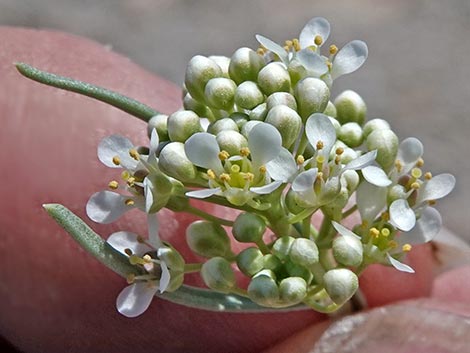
55 297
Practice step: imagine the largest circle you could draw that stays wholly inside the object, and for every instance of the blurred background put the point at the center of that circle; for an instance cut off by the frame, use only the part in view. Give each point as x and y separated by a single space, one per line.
417 75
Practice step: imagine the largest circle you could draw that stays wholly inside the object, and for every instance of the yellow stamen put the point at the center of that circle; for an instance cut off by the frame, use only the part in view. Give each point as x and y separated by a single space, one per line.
245 152
296 44
406 248
131 181
223 155
135 260
319 176
128 252
249 177
415 185
225 177
113 185
398 166
333 49
385 216
337 160
147 258
420 163
320 145
130 278
329 64
374 232
318 40
134 154
288 44
364 224
116 160
300 159
339 151
260 51
432 202
392 244
125 175
211 174
129 202
262 169
428 176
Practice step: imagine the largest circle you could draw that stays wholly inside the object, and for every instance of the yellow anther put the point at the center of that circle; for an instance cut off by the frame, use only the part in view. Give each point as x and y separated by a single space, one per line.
415 185
244 151
125 175
432 202
260 51
373 232
420 163
319 176
235 169
249 177
329 64
296 44
262 169
333 49
428 176
129 202
398 166
147 258
339 151
286 48
320 145
116 160
385 232
130 278
131 181
223 155
134 154
135 260
318 40
211 174
113 185
128 252
392 244
337 160
225 177
416 173
300 159
406 248
385 216
288 44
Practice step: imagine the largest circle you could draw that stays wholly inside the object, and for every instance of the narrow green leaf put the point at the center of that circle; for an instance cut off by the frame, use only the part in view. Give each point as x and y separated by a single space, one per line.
115 99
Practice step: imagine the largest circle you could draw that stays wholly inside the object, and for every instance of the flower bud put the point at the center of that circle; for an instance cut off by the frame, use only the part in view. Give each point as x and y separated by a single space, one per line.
303 252
158 122
218 274
231 141
259 113
375 124
189 103
330 110
350 107
263 289
351 134
348 155
223 63
176 281
296 71
287 122
182 125
198 72
245 65
336 124
248 228
281 98
282 246
246 129
312 96
220 93
173 161
250 261
351 179
347 250
271 262
274 78
295 270
248 95
292 290
291 202
240 119
340 284
396 192
208 239
172 258
386 144
224 124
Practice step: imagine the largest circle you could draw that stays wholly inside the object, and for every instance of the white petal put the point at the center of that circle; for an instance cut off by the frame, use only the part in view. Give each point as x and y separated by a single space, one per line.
317 26
283 167
273 47
376 176
265 143
153 227
106 206
127 240
344 231
349 58
135 299
371 200
436 188
402 215
304 181
266 189
154 142
362 161
400 266
426 228
203 193
203 150
165 277
319 128
409 151
148 193
312 62
116 145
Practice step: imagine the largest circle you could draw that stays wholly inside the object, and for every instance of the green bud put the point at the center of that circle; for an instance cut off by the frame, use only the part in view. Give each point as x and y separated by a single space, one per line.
348 155
173 161
263 290
176 281
386 144
208 239
287 122
189 103
248 126
282 246
351 179
281 98
222 125
271 262
295 270
218 274
296 71
312 96
231 141
248 95
182 125
223 63
330 110
334 208
340 284
274 78
220 93
245 65
350 107
396 192
259 113
172 258
248 228
291 202
198 72
292 290
158 122
375 124
161 190
347 250
240 119
303 252
351 134
250 261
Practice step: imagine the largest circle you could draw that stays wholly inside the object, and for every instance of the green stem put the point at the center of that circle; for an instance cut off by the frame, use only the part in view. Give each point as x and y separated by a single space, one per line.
189 268
115 99
306 227
349 212
207 216
263 247
325 228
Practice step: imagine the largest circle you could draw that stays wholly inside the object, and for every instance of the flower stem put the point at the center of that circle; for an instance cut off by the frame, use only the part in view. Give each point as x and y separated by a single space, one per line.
189 268
349 212
115 99
208 217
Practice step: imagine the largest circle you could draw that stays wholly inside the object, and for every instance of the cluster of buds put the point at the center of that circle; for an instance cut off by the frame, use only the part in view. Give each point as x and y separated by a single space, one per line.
260 133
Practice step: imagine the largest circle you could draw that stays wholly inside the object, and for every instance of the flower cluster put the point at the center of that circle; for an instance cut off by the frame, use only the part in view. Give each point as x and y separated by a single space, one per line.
260 133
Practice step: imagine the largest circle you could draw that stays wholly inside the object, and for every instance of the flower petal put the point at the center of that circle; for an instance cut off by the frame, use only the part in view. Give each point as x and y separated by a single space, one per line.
154 142
265 143
376 176
116 146
402 215
135 299
371 200
266 189
400 266
203 150
312 62
273 47
203 193
165 277
283 167
106 206
127 240
409 151
349 58
344 231
362 161
436 188
317 26
426 228
304 181
319 128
